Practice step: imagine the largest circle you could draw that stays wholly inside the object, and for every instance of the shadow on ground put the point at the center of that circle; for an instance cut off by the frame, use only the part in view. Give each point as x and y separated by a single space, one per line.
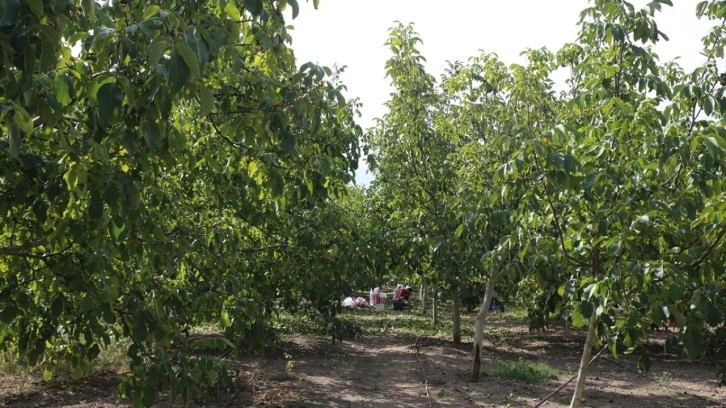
397 369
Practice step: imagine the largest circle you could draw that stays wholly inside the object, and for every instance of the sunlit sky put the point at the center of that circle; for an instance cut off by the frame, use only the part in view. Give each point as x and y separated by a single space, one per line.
352 33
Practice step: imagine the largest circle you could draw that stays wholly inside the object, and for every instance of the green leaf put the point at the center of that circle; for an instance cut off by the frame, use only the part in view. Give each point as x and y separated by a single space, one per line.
693 342
232 11
57 307
277 185
316 4
151 11
643 365
590 290
40 210
152 134
89 9
110 97
62 90
253 6
288 141
156 50
561 289
295 8
708 105
715 144
115 230
22 119
178 72
459 230
211 376
189 57
224 318
206 98
265 41
35 7
578 320
8 314
127 89
586 309
47 373
675 292
49 42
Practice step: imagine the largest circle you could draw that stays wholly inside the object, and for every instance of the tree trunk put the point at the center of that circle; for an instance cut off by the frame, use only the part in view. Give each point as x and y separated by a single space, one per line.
422 298
584 364
435 310
456 318
479 331
566 321
476 365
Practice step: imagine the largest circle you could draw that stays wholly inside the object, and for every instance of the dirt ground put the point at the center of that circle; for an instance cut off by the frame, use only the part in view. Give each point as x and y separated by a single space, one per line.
397 369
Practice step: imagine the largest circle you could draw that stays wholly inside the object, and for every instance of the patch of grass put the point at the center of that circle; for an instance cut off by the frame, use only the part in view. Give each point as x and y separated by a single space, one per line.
498 336
206 329
12 366
112 358
287 323
512 313
410 320
532 372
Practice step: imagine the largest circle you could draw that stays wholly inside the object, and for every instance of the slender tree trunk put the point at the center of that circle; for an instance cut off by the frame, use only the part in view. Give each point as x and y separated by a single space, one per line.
566 321
479 331
456 318
435 309
422 298
584 364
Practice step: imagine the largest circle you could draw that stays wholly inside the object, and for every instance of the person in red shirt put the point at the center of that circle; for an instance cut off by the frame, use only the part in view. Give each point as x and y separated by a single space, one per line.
401 297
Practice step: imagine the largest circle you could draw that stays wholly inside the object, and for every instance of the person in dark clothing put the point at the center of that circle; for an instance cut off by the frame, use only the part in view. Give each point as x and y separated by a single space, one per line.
401 297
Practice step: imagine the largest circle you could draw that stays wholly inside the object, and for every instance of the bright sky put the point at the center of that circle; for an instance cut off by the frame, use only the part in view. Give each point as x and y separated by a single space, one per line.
352 33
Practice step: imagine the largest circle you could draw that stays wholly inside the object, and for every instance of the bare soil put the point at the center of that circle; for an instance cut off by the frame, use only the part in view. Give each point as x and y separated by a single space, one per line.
398 369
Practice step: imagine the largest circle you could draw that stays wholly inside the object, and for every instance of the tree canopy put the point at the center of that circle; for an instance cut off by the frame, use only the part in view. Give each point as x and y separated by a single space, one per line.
163 163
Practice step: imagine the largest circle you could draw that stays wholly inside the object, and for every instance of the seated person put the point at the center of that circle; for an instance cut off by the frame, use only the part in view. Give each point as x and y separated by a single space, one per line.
401 297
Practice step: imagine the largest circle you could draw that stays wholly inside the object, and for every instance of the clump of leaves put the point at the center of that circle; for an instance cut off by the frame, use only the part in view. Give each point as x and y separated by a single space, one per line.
532 372
344 329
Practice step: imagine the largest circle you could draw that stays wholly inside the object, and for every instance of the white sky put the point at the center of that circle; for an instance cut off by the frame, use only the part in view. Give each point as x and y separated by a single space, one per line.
352 33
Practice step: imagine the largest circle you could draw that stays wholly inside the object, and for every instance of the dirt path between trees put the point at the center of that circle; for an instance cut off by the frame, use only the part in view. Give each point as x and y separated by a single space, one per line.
397 369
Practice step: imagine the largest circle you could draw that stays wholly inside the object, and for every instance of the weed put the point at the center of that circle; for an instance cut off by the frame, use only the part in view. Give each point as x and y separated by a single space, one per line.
509 399
537 372
113 358
11 365
666 378
290 365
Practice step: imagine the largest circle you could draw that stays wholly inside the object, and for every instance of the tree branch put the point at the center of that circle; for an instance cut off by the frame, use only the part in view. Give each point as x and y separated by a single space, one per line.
23 250
706 253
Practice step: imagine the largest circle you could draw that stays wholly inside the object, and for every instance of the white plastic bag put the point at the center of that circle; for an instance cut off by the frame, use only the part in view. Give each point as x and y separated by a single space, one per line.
349 302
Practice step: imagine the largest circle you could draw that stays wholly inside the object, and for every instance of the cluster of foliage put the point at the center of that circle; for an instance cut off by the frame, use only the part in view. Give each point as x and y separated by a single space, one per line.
167 164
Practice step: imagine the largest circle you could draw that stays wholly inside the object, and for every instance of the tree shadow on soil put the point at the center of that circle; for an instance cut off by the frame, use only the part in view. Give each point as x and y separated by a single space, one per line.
398 369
